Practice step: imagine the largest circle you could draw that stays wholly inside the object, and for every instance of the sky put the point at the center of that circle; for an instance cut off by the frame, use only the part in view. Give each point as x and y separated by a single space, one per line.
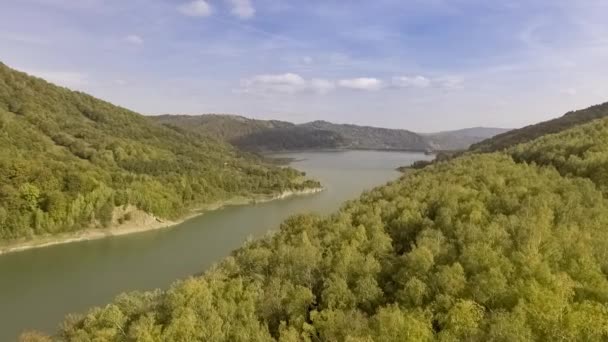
422 65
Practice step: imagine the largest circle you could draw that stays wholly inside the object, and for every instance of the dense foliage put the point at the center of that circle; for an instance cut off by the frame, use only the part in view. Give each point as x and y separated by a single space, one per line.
67 160
578 152
529 133
291 139
480 248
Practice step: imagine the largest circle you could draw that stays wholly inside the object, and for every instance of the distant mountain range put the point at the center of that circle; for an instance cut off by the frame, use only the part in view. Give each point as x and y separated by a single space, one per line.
461 139
273 135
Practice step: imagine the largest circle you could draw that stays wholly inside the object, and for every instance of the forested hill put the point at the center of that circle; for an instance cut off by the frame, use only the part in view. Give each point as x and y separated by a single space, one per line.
506 246
365 137
532 132
68 160
272 135
221 126
255 135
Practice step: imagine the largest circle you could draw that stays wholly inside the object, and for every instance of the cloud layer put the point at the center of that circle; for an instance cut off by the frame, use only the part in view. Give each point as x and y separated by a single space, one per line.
288 83
242 8
291 83
197 8
426 65
361 83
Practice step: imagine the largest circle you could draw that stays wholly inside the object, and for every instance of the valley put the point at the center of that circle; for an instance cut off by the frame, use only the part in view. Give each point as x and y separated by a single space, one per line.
82 274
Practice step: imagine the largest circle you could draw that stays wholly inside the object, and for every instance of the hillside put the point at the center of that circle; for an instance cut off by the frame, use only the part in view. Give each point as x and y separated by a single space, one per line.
578 152
220 126
271 135
295 138
373 138
255 135
68 161
484 247
461 139
529 133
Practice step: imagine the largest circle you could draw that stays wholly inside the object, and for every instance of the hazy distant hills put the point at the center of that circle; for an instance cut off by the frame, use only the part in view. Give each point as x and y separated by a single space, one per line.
272 135
256 135
463 138
529 133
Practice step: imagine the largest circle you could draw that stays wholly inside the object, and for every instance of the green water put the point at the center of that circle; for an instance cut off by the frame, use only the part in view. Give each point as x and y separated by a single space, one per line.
39 287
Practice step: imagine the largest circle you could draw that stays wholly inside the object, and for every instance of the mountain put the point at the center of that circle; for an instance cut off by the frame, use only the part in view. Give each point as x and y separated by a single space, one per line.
222 126
461 139
504 246
272 135
295 138
255 135
532 132
373 138
69 162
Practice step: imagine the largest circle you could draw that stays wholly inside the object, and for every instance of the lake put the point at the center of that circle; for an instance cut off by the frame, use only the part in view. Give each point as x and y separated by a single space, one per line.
39 287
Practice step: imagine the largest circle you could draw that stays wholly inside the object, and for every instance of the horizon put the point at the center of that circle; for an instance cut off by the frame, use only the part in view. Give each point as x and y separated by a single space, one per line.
424 66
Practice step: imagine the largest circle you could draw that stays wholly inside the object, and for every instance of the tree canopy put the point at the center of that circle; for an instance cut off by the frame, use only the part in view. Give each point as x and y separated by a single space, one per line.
479 248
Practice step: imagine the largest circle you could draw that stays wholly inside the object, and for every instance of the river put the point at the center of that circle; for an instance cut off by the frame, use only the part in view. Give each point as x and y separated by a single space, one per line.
38 287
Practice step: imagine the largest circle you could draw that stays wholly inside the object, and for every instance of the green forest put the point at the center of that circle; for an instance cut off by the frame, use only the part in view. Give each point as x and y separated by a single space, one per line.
508 246
67 160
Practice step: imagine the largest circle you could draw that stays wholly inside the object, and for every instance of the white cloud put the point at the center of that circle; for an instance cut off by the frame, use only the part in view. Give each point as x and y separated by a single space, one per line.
134 39
242 8
291 83
362 83
411 82
197 8
322 86
444 82
282 83
449 82
288 83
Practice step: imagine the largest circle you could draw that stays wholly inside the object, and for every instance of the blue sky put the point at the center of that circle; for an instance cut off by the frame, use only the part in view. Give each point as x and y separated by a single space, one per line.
423 65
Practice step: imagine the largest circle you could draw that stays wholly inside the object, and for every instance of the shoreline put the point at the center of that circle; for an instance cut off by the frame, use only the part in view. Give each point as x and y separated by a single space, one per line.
152 224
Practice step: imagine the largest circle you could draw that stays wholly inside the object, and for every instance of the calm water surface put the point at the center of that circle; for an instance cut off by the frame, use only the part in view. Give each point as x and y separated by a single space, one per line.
39 287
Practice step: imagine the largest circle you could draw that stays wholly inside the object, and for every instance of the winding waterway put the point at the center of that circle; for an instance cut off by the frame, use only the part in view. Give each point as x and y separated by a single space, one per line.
39 287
